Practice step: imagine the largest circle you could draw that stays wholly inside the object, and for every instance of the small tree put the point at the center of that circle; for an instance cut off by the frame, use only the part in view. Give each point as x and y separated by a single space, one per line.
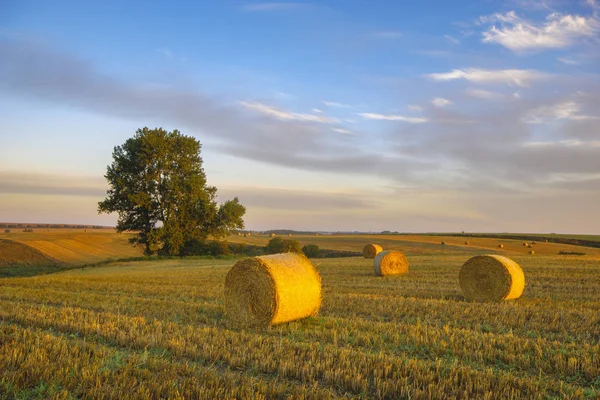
311 250
158 188
279 245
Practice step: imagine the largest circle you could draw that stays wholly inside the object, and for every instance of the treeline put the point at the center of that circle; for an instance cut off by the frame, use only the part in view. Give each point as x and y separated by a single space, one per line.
276 245
48 226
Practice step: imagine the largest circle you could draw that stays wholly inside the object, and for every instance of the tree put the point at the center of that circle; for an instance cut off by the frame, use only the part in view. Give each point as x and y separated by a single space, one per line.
158 188
311 250
279 245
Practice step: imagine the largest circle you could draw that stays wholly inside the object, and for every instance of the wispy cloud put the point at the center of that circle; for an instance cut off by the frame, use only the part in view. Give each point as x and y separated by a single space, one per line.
569 110
166 52
516 77
274 6
569 61
483 94
518 34
316 110
386 34
452 39
334 104
391 117
440 102
273 112
414 108
340 130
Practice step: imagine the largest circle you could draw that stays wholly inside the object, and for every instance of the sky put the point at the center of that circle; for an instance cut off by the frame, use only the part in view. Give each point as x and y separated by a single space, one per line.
429 116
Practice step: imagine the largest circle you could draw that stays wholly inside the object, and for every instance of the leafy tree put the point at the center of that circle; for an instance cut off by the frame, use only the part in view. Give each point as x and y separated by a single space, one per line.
158 188
279 245
311 250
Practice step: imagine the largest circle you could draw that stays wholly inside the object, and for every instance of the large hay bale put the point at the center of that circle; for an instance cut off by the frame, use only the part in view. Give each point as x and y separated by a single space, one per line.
524 243
390 262
531 252
500 246
491 278
371 250
466 243
443 243
270 290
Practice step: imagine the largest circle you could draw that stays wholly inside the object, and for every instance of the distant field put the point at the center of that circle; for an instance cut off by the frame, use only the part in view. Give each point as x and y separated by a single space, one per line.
423 243
51 248
156 330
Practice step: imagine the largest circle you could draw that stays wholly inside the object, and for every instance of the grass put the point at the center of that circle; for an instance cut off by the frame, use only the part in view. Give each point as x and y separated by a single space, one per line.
155 329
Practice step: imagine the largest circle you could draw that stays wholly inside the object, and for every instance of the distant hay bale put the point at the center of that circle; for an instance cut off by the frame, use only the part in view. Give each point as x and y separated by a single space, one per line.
289 234
270 290
531 252
524 243
467 243
500 246
443 243
272 235
371 250
533 242
491 278
390 262
529 246
316 234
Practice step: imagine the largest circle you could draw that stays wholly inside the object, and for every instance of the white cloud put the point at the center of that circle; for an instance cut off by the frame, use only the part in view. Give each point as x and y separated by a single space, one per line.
517 77
387 35
350 121
564 110
334 104
316 110
558 31
414 108
412 120
284 115
440 102
452 39
483 94
568 61
564 143
344 131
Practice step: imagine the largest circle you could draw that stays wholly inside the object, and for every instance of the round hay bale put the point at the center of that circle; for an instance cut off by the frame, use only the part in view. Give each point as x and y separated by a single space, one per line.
371 250
390 262
529 246
491 278
531 252
289 234
270 290
467 243
443 243
272 235
500 246
524 243
533 242
316 234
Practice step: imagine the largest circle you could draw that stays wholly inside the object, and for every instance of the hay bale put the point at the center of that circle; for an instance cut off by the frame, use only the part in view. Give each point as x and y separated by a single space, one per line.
467 243
500 246
289 234
533 242
371 250
524 243
531 252
316 234
272 235
443 243
529 246
390 262
270 290
491 278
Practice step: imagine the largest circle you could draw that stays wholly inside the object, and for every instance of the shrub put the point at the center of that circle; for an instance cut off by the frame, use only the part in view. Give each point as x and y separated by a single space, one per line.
311 250
279 245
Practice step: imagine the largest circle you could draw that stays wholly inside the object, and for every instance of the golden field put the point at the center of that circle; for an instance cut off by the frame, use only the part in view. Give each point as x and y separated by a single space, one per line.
156 329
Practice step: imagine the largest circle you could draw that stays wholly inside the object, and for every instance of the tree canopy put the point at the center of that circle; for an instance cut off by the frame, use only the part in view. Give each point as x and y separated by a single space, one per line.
158 188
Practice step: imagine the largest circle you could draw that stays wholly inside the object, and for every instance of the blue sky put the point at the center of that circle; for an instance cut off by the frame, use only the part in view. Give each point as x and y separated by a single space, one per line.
350 115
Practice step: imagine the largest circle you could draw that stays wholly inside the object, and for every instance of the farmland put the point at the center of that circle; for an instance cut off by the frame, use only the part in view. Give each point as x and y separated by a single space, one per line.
157 329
